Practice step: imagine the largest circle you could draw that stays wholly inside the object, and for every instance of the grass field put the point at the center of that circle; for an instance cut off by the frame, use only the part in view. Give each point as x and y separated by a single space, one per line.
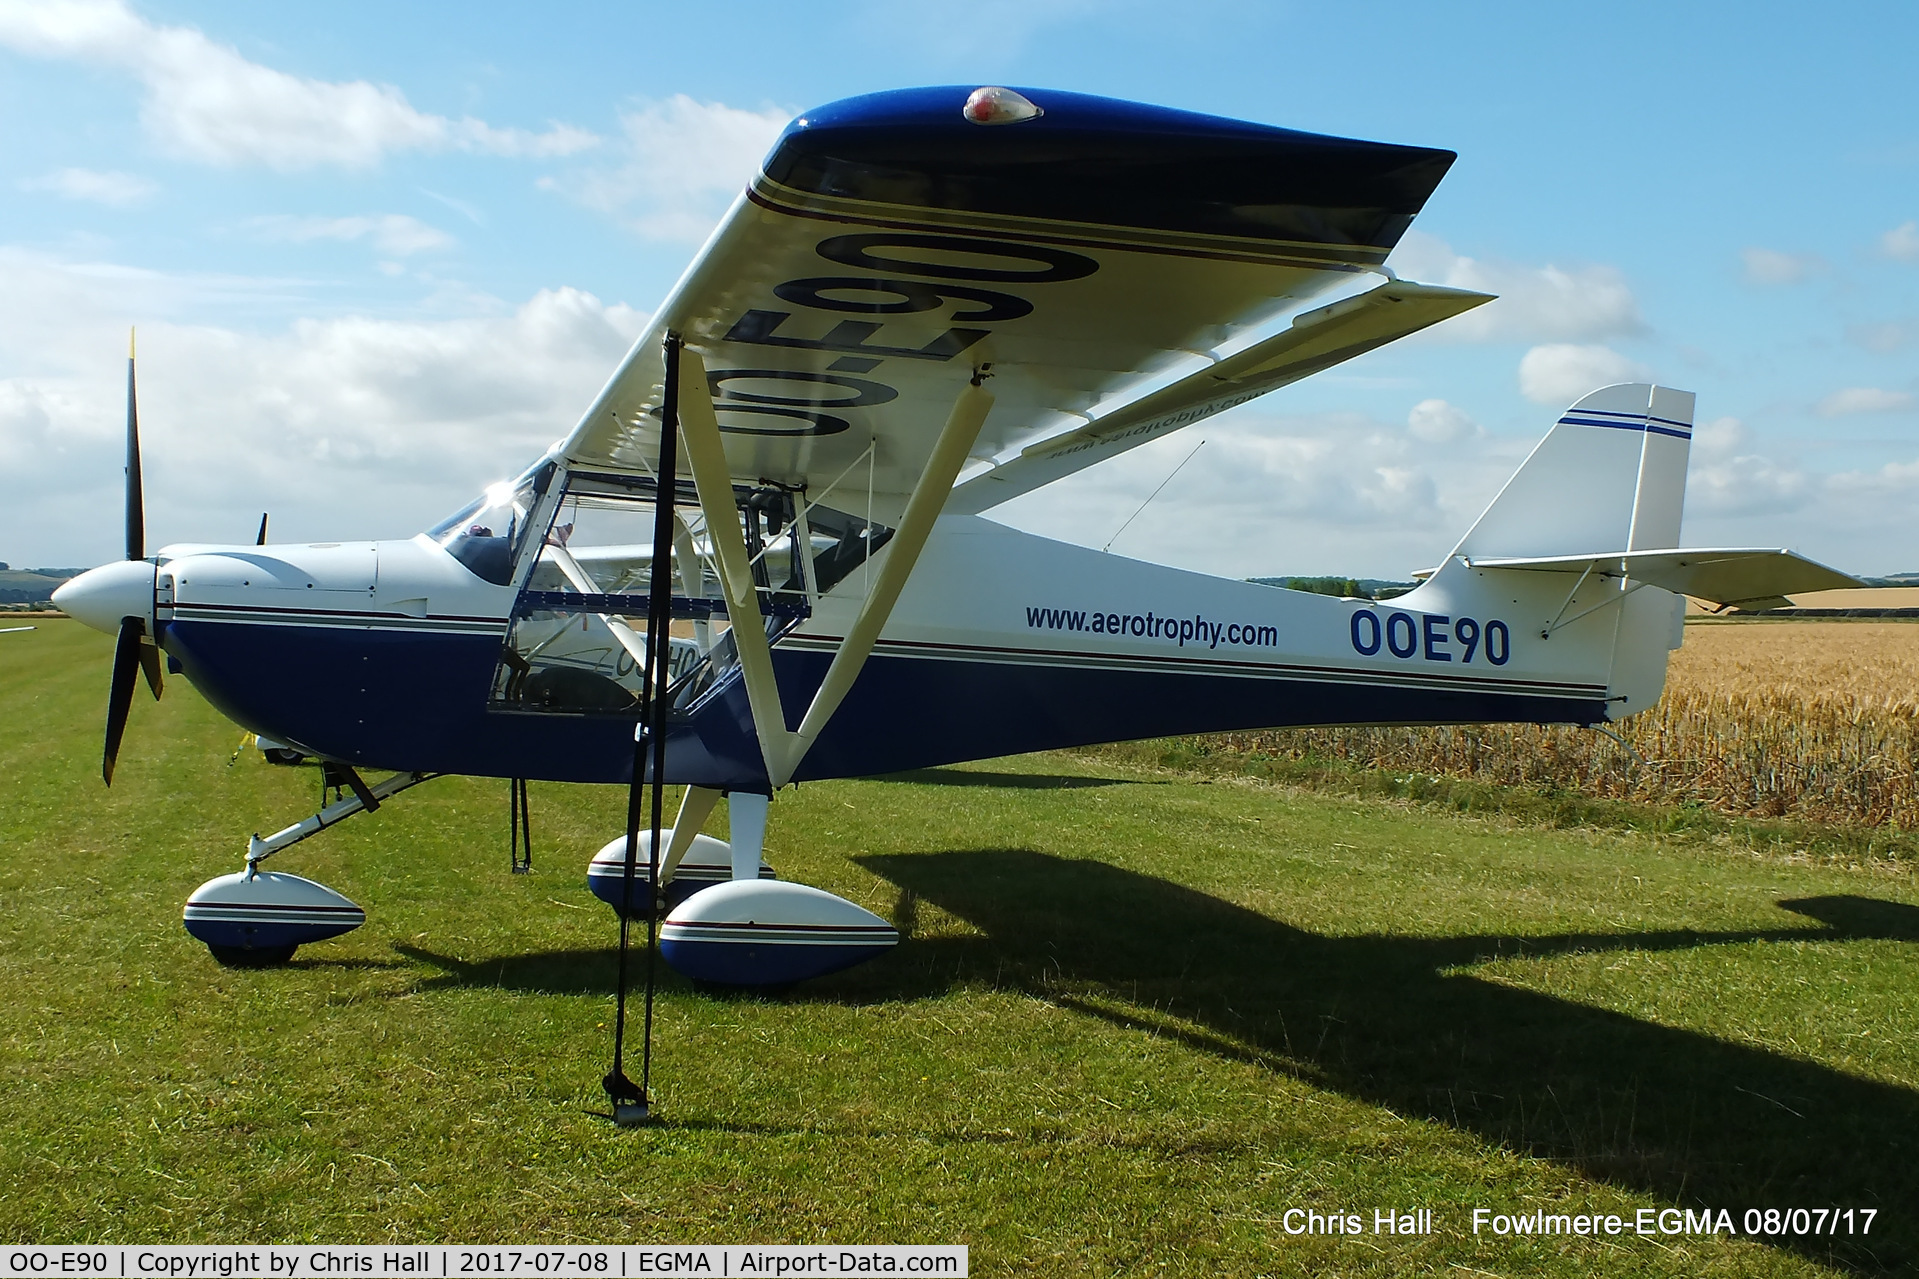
1139 1015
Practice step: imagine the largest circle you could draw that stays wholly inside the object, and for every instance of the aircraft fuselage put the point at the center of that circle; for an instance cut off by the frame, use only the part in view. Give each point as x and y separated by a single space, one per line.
386 655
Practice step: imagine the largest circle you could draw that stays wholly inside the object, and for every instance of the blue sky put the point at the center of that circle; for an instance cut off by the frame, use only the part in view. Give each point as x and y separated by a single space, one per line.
380 254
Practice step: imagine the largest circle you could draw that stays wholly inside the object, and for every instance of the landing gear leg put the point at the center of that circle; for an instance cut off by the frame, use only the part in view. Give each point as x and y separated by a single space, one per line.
695 807
257 919
746 818
364 798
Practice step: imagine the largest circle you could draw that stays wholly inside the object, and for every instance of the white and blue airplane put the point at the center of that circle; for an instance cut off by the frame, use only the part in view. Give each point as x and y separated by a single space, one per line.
928 302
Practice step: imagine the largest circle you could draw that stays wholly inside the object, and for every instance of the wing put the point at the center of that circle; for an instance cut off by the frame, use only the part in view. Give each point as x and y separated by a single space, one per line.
1750 577
893 249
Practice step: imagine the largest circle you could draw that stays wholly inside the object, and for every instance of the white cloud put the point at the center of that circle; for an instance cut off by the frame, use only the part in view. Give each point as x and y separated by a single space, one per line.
683 162
347 427
391 233
1902 242
1883 337
1748 484
1280 493
1536 304
1769 266
1863 399
1438 422
1894 479
121 190
206 102
1346 493
461 207
1344 476
1727 478
1719 440
1561 373
1855 520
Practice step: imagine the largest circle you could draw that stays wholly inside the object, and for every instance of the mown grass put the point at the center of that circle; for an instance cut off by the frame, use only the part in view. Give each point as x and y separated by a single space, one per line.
1138 1016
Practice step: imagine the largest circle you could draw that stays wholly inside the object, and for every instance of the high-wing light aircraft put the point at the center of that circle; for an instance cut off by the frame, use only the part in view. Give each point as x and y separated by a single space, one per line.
928 302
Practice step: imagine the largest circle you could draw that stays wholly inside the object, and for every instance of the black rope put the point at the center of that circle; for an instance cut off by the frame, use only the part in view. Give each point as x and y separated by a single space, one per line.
632 1102
520 821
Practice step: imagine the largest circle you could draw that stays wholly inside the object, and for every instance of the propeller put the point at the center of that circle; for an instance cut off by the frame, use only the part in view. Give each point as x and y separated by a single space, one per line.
133 649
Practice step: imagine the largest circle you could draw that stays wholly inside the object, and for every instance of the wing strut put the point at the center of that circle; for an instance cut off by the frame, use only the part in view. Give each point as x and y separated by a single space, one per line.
902 554
783 750
706 454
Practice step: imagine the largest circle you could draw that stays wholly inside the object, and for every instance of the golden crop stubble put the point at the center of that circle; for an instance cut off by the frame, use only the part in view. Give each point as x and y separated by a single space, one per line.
1810 719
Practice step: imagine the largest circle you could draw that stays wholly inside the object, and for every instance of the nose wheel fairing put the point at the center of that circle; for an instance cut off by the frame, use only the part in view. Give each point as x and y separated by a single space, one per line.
266 914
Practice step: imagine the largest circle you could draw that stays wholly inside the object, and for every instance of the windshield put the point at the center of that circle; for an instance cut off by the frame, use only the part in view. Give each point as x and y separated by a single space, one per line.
487 533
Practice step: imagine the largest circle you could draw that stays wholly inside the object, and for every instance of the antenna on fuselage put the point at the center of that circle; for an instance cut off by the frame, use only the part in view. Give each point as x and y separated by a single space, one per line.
1149 497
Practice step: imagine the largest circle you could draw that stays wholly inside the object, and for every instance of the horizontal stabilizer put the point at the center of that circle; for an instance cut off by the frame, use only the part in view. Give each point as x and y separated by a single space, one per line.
1316 340
1749 577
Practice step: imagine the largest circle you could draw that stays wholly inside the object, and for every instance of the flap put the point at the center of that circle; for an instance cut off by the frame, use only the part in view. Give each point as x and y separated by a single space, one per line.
1316 340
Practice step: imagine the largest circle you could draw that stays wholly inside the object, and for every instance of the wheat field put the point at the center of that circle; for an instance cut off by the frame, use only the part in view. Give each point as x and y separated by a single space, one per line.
1813 720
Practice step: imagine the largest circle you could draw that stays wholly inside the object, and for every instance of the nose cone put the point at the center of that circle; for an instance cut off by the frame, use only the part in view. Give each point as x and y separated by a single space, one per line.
101 597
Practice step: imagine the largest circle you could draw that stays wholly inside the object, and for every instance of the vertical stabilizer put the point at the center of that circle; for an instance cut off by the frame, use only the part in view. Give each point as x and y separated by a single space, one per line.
1610 475
1609 478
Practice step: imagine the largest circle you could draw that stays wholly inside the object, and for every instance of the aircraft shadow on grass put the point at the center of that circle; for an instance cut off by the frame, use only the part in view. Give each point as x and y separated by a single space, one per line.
1684 1116
1691 1119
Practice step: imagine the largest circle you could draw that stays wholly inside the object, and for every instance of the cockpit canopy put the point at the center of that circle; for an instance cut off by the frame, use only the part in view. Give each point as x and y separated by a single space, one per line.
488 533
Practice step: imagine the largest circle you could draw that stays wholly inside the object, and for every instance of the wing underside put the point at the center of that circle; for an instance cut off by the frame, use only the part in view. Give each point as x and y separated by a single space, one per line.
892 251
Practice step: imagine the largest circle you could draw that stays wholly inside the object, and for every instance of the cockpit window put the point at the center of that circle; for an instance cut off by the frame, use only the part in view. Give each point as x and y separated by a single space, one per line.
486 534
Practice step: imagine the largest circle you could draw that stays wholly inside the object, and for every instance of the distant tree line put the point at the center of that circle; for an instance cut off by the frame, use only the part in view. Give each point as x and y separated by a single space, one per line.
31 586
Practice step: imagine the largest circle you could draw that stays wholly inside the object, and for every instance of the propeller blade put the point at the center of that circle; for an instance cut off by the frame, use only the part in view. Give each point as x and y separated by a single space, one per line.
262 539
150 666
136 507
126 663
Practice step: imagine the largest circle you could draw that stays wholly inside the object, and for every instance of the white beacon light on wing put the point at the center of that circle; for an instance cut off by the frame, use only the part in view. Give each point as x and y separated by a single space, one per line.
993 105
